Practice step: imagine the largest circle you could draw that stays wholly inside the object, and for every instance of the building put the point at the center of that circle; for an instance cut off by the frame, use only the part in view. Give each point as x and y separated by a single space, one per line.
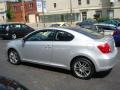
115 9
23 11
79 10
3 12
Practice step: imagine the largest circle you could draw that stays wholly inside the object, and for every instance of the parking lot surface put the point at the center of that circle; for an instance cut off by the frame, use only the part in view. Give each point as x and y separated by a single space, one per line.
37 77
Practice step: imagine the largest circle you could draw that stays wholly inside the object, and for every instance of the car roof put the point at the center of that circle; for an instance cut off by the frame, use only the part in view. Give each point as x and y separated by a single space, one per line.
86 32
10 23
64 28
74 29
104 24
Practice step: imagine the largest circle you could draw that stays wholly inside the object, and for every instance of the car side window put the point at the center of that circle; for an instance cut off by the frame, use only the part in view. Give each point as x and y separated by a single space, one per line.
24 26
16 26
44 35
2 27
108 28
64 36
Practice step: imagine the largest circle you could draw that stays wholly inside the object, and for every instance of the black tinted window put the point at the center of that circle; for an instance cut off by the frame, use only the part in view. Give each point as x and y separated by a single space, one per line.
64 36
107 27
15 26
24 26
2 27
41 36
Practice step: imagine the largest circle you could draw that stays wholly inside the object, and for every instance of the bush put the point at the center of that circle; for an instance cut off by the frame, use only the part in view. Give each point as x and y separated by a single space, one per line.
106 19
118 19
102 19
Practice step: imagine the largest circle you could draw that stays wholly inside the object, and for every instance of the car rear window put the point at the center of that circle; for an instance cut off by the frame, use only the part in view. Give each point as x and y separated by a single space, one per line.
90 33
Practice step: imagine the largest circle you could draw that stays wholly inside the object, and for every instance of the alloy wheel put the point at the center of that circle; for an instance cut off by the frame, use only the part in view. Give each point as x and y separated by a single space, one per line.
13 36
82 69
13 57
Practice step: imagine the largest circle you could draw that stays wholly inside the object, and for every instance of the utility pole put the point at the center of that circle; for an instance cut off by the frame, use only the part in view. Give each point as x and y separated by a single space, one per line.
71 11
23 10
43 13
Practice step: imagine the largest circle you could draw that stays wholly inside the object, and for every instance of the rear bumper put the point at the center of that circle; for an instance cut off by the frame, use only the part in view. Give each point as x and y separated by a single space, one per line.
107 62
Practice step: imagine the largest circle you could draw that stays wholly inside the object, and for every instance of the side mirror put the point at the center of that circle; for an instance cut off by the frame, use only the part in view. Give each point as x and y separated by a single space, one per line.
23 42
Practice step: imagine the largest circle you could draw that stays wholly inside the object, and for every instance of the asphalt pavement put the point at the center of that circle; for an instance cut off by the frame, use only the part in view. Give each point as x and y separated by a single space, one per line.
37 77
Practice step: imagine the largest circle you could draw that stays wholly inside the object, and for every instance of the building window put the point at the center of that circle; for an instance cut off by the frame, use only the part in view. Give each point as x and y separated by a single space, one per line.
14 8
79 2
88 1
30 5
54 5
99 13
111 14
84 16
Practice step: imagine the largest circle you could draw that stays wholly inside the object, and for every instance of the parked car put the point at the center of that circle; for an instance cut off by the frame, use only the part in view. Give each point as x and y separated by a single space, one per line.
113 22
8 84
14 30
86 24
84 52
58 25
109 29
105 29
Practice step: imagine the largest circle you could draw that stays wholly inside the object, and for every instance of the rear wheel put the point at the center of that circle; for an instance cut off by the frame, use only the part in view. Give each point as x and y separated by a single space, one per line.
13 57
82 68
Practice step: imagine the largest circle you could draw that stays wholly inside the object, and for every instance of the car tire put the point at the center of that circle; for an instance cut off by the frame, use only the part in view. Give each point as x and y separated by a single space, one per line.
82 68
13 57
13 36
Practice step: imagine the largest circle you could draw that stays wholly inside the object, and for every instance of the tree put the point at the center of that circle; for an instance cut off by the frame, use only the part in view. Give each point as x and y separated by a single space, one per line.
9 14
19 0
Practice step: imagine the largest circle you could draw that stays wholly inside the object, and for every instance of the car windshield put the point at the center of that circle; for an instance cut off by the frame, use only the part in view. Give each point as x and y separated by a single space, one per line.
90 33
55 25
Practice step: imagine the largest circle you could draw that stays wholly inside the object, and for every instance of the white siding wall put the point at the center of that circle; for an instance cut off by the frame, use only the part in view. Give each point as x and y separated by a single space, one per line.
63 6
2 12
117 9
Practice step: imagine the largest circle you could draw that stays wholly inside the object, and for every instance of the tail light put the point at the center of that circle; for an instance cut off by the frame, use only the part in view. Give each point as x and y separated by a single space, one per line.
104 48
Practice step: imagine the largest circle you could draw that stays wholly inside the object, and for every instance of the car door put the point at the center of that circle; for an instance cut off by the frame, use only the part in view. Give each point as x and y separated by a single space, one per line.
16 29
26 29
62 47
38 47
3 29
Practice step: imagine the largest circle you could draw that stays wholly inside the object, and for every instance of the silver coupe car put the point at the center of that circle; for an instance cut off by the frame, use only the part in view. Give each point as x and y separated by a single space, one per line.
82 51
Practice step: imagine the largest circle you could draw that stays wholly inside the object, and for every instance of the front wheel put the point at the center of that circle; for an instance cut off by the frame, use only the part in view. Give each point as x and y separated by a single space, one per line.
13 36
13 57
82 68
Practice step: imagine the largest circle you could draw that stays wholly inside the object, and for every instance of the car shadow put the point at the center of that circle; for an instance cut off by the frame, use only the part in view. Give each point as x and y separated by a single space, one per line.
102 74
